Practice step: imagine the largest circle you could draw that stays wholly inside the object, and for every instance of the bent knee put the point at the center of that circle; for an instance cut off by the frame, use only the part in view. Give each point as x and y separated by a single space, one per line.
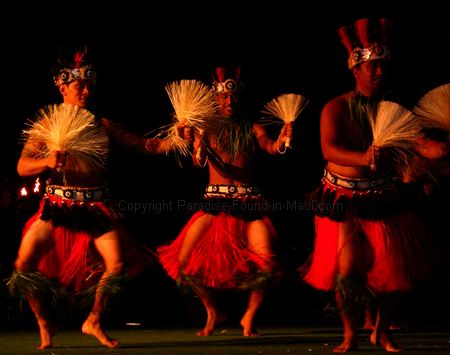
24 265
182 260
116 268
268 265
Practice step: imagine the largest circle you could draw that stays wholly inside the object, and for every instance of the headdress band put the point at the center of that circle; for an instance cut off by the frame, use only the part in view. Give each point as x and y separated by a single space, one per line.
229 85
66 75
361 55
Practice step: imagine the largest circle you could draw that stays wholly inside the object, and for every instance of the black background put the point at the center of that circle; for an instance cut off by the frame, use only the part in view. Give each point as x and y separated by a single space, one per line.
288 48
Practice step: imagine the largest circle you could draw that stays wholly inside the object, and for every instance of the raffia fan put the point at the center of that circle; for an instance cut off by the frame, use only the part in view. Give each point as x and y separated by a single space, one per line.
194 105
286 108
434 107
396 128
70 129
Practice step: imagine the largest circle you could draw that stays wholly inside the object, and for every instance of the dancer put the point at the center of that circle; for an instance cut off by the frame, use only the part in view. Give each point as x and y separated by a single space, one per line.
227 244
74 242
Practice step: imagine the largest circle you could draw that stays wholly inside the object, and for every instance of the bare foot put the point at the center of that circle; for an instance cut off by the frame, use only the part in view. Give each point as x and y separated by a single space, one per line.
345 346
251 332
46 331
94 329
247 325
205 332
385 341
214 318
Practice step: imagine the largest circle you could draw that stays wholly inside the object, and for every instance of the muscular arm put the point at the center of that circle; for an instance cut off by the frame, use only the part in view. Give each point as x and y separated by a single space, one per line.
29 165
266 143
207 152
135 142
199 155
431 149
332 125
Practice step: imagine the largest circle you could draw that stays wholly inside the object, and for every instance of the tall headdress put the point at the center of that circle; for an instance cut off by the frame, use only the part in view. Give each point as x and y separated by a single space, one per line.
227 80
73 64
366 40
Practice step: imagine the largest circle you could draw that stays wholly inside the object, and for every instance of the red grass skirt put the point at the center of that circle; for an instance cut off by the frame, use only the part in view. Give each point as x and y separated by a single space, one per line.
397 248
221 257
73 260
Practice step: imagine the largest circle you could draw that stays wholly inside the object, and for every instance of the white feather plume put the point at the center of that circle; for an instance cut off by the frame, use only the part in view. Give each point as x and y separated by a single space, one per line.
396 128
434 107
286 107
70 129
194 105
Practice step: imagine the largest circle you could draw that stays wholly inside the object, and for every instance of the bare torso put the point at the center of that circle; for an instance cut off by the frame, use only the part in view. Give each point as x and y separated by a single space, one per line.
225 169
79 172
346 137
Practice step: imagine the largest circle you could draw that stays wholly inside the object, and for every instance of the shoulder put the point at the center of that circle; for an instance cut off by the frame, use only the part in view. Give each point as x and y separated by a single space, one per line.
105 122
338 103
258 129
258 126
108 124
336 108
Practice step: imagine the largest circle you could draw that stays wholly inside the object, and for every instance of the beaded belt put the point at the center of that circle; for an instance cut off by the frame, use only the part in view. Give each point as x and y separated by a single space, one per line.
225 190
78 193
356 183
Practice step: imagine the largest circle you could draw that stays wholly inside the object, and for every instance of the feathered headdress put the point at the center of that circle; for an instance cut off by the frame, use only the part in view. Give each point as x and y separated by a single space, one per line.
366 40
73 64
227 80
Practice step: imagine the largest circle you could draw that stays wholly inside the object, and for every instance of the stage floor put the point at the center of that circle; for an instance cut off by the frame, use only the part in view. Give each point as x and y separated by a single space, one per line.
168 341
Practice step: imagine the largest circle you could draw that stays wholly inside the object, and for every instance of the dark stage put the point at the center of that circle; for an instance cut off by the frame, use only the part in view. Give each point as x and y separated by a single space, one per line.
280 51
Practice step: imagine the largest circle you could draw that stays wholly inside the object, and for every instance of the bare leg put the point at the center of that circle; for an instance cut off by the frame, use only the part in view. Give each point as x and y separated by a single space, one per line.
46 328
368 319
213 316
348 262
381 335
255 300
350 328
108 245
34 244
197 229
193 234
259 240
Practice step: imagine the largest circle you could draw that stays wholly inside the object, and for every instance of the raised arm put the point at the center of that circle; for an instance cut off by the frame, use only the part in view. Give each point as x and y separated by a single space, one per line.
141 144
268 144
200 152
132 141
